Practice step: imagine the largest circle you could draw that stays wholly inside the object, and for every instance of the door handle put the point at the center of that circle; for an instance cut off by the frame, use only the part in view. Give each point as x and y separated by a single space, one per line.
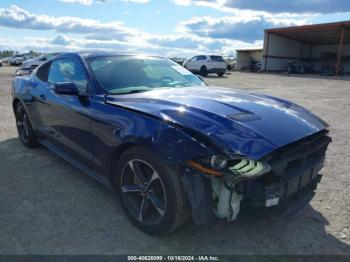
42 97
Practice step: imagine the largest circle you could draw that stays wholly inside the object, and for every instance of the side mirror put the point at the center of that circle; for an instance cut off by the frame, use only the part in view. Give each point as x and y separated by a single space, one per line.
66 88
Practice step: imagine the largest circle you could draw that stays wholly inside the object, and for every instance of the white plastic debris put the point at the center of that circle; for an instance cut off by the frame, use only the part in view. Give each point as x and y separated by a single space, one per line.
228 200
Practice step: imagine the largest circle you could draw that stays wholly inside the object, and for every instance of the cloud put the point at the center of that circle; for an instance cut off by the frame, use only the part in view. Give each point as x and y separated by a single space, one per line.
138 1
160 45
246 28
84 2
90 2
181 41
75 33
274 6
16 17
60 40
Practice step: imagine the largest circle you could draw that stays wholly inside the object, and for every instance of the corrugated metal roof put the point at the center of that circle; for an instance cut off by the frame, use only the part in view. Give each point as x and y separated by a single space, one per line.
315 34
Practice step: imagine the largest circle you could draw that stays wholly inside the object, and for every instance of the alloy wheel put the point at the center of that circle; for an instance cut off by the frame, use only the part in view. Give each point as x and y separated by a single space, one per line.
143 191
22 124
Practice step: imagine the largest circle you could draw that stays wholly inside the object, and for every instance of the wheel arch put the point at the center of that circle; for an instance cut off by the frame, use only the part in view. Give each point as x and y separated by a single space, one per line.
15 101
117 154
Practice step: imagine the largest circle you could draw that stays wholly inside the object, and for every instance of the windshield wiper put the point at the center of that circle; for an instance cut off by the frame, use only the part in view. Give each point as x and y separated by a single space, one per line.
129 92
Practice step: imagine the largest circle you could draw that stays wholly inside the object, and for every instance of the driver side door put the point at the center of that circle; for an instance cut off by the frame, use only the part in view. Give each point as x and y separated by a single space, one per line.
66 117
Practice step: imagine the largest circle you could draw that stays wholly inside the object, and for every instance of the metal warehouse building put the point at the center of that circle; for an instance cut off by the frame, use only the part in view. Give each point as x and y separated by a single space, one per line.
244 57
322 45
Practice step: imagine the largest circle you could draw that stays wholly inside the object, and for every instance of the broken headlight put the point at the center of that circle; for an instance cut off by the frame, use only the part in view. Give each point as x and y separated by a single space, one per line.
247 168
237 166
218 162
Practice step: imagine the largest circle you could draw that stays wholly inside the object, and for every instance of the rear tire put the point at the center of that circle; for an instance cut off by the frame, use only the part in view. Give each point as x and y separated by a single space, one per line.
150 193
203 71
25 130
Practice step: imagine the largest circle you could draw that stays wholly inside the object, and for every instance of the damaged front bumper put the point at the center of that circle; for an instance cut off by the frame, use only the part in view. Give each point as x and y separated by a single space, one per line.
291 169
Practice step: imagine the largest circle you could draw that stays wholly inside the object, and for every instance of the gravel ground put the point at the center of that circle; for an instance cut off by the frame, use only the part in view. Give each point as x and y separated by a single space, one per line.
48 207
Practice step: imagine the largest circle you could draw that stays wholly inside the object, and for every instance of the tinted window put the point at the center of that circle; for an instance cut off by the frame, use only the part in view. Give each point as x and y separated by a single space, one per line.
217 58
43 71
194 58
67 70
201 57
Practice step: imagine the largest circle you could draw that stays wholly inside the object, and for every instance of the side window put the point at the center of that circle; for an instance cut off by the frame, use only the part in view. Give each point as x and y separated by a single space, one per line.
43 71
194 58
201 57
67 70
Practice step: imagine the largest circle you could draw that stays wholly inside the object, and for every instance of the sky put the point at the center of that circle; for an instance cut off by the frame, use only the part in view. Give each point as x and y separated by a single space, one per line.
181 28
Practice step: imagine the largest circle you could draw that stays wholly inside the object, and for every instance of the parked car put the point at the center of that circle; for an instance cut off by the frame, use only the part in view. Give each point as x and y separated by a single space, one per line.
34 62
6 60
16 60
171 146
204 65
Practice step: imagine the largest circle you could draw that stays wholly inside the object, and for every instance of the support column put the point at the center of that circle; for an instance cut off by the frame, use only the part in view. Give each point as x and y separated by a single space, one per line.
267 50
340 50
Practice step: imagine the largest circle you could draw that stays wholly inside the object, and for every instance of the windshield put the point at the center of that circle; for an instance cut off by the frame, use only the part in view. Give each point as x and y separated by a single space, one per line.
131 74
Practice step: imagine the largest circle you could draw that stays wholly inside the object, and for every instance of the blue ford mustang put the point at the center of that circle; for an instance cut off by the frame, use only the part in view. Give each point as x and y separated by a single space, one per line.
171 146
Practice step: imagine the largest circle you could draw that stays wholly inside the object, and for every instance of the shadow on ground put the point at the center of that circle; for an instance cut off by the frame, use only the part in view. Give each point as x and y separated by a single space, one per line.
215 76
48 207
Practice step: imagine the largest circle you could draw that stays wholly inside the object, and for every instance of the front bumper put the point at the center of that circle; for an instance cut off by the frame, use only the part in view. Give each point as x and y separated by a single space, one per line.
294 172
257 195
293 168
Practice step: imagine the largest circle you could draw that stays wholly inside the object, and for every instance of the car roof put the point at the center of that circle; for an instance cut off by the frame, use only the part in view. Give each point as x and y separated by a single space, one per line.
100 53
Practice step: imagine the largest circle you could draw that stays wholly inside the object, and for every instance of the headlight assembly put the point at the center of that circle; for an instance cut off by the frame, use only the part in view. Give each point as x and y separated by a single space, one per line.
218 162
237 167
247 168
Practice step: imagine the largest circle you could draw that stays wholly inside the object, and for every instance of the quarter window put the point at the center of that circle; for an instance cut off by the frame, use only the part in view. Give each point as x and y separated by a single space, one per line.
43 72
67 70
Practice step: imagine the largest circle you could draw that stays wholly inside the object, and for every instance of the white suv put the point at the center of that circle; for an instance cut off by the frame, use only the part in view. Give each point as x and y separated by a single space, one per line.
16 60
205 65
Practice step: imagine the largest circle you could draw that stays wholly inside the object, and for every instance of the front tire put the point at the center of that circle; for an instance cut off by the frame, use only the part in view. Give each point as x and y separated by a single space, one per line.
25 130
151 193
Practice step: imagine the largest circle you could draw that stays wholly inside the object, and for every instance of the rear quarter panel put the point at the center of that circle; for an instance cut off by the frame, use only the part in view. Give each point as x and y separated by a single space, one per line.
22 91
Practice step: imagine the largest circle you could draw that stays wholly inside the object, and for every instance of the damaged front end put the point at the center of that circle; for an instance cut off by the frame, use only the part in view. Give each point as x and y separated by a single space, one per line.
219 185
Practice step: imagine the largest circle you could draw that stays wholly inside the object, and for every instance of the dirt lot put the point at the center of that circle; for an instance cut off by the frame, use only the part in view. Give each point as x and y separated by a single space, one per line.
48 207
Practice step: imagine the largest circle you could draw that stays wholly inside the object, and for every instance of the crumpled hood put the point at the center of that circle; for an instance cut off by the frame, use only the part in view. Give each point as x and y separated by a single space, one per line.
246 123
